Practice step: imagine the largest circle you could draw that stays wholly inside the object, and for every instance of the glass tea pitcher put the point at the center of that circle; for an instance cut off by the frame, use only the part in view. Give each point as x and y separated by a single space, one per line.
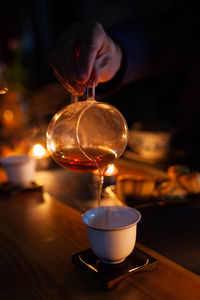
87 135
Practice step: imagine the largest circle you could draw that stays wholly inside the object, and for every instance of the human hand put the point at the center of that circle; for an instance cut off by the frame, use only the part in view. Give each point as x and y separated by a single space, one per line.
85 54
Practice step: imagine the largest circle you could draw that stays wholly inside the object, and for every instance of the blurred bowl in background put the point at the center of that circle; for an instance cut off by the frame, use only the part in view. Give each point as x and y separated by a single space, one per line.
20 169
149 142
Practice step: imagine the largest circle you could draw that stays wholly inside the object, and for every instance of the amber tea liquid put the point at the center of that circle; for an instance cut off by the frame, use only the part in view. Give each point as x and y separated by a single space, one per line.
75 160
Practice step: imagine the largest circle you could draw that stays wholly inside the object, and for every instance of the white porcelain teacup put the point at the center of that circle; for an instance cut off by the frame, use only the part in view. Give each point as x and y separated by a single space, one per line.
112 231
20 169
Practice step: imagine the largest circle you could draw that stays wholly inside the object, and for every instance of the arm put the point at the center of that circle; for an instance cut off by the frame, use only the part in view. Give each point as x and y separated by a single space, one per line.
130 51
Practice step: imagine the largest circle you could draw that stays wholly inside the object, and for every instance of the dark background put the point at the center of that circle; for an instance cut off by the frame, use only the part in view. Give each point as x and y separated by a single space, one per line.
38 23
171 99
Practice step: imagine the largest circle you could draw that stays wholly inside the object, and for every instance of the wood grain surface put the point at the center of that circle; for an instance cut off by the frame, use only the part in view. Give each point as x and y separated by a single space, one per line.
38 235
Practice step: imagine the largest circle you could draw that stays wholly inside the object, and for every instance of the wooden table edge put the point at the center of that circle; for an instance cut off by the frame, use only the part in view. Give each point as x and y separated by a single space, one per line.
168 262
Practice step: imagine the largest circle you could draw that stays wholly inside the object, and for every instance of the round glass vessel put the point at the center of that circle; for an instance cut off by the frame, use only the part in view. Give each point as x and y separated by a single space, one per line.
87 135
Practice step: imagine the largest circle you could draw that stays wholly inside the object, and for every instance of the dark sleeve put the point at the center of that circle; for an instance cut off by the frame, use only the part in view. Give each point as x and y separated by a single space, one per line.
154 46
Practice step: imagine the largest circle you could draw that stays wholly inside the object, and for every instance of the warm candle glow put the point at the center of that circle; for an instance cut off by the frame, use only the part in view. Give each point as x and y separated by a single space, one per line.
3 90
38 151
8 115
41 155
111 170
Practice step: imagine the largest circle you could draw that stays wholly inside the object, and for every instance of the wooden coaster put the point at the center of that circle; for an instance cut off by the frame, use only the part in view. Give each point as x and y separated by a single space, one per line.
7 189
111 274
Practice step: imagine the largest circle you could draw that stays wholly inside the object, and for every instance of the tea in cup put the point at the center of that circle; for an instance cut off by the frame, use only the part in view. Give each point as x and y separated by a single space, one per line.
112 231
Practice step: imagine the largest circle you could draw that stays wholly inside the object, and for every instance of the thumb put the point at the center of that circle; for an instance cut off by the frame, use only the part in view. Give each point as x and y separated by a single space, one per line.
94 77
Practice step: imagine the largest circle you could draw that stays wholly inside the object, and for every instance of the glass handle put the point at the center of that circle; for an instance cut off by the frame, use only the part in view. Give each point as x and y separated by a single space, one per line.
90 90
74 98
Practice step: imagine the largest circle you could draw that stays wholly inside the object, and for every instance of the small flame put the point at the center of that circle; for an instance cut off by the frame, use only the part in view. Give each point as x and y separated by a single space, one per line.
38 150
112 170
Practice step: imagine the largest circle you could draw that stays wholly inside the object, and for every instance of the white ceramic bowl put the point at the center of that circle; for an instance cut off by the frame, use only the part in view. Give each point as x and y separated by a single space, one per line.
20 169
149 143
112 231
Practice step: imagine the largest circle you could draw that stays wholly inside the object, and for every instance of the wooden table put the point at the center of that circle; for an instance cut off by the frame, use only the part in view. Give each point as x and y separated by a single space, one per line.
38 235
